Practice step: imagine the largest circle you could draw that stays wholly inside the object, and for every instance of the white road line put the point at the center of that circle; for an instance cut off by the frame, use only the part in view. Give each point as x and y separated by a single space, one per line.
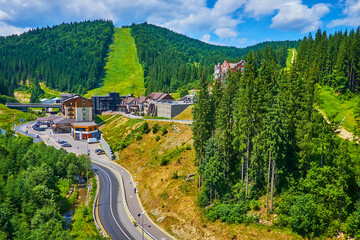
112 213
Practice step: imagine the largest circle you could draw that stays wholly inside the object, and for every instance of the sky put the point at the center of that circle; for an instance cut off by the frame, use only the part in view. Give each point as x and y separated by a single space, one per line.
238 23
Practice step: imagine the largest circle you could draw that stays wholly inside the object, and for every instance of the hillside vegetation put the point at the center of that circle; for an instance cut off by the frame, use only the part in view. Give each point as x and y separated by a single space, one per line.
8 117
124 74
33 181
173 61
160 156
67 57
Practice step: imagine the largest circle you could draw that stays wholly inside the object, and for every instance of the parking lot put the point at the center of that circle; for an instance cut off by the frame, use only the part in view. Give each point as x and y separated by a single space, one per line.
77 147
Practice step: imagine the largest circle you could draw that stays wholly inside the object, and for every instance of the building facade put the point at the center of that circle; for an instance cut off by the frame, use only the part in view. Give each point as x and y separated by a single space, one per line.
220 71
84 130
111 101
78 108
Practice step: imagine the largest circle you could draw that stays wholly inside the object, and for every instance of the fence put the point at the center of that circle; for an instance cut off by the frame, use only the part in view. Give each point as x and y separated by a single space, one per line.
106 148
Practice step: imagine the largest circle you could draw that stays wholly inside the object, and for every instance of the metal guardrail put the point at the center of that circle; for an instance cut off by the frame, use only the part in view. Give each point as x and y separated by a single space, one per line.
106 148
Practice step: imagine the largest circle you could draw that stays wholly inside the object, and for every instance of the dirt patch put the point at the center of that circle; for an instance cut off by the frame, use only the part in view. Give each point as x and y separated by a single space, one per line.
22 97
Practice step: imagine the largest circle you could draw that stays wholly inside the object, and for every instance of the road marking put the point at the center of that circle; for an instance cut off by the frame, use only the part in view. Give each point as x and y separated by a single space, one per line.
127 210
112 213
97 211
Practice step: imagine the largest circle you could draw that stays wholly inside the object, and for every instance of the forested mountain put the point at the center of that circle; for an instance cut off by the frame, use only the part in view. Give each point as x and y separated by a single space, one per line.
67 57
171 60
31 198
259 140
335 57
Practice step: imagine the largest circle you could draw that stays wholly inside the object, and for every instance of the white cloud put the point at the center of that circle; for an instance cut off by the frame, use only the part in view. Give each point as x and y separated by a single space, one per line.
297 17
292 15
225 32
206 38
352 12
6 29
4 15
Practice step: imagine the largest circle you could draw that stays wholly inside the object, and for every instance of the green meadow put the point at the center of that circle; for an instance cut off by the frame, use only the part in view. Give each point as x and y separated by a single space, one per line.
124 74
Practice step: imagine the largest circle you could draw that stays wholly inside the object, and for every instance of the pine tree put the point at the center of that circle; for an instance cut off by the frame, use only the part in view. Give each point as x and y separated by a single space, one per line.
202 126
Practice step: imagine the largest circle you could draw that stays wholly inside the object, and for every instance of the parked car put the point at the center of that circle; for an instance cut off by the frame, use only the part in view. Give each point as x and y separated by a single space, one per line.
92 140
98 150
41 129
100 153
37 136
66 144
60 141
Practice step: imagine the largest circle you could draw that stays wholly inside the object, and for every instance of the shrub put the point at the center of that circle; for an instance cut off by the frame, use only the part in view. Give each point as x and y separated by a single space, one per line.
164 130
174 175
229 213
155 128
145 127
157 138
353 223
164 161
188 147
255 205
308 218
203 197
138 137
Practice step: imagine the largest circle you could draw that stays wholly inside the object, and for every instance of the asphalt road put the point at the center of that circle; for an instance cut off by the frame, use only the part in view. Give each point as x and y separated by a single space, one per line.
117 204
25 129
111 213
133 202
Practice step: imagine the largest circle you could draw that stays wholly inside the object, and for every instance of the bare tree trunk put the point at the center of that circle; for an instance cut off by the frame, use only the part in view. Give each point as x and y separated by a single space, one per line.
247 162
272 184
268 183
242 174
322 156
200 173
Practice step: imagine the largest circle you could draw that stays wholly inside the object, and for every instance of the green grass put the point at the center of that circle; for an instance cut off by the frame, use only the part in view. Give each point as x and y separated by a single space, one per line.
288 60
49 93
124 74
333 104
102 118
10 116
83 226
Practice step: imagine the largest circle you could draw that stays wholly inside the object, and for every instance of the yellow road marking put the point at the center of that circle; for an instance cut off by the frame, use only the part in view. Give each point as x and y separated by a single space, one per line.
124 200
97 212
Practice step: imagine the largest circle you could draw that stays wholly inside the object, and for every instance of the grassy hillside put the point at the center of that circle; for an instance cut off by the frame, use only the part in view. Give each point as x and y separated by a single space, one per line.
124 73
291 57
335 105
10 116
160 164
186 114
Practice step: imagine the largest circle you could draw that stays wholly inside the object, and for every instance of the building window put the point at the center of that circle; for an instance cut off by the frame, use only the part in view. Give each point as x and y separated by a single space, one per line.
84 118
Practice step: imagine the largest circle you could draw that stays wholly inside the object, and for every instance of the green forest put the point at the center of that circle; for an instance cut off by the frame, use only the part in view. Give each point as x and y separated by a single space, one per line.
69 57
34 180
173 61
260 140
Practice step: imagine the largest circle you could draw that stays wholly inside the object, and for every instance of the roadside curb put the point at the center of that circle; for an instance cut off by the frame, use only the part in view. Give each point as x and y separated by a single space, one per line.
95 214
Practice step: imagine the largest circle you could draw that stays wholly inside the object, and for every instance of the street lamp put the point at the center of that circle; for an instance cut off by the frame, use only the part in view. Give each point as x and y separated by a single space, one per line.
142 222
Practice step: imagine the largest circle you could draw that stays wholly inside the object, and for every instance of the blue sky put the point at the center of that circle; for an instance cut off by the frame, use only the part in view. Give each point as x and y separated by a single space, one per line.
237 23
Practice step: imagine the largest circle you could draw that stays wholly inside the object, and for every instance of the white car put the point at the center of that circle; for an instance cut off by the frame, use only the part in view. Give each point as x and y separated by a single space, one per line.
92 140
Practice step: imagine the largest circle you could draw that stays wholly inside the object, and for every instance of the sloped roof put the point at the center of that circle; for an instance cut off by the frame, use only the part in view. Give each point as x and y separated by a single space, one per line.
128 100
140 99
165 95
155 95
74 97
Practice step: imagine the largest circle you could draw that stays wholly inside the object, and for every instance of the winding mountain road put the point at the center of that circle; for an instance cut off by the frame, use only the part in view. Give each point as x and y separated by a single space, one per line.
117 204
